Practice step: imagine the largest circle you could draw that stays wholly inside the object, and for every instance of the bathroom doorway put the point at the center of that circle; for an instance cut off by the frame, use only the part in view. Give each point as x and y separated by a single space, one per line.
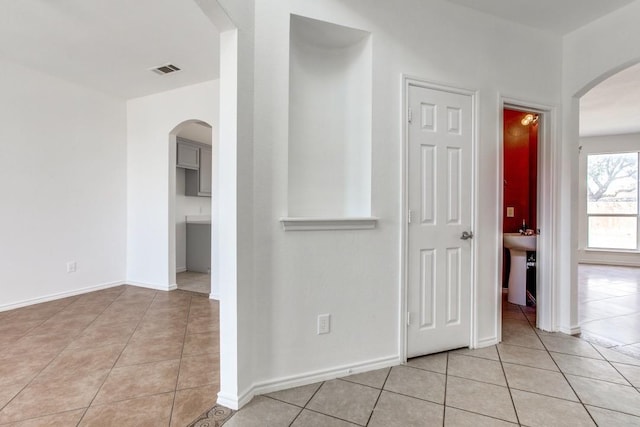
526 204
520 196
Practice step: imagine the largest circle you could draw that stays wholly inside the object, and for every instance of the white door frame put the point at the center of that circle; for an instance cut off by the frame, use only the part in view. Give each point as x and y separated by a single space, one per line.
408 81
547 193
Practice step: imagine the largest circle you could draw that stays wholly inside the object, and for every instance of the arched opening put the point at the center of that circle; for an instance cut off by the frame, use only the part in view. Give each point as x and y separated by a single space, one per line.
608 250
190 190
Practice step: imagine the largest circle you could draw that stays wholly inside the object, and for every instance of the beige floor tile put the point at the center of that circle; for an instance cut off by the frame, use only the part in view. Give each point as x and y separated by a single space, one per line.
486 399
129 382
520 333
104 335
205 343
606 395
474 368
313 419
347 401
572 345
613 355
64 419
191 403
394 410
298 396
433 362
150 350
263 411
630 372
9 391
539 381
46 343
416 383
196 371
537 410
607 418
374 378
458 418
149 330
23 368
39 399
586 367
490 353
526 356
198 325
148 411
78 361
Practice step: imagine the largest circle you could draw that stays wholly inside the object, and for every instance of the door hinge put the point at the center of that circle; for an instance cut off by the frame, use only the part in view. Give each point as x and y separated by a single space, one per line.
408 318
410 115
409 216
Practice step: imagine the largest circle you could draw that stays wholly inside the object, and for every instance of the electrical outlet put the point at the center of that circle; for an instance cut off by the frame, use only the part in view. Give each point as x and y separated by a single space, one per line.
71 267
324 324
510 213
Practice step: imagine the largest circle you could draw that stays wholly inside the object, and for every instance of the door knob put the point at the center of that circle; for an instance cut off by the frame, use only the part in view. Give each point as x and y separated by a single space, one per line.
466 235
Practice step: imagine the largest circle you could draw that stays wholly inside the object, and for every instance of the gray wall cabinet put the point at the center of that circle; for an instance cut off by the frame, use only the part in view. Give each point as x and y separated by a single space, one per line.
198 177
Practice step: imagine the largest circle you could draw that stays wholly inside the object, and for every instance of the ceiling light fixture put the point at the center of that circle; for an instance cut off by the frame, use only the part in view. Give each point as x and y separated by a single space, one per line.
529 119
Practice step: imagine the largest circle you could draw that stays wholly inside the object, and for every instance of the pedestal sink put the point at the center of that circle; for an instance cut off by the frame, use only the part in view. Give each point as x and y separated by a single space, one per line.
518 246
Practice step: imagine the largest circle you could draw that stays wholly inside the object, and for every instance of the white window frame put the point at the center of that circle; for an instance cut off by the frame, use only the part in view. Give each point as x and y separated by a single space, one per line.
610 144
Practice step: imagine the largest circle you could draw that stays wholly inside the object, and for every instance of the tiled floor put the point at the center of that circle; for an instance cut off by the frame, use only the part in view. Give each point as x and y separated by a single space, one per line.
610 306
128 356
532 378
194 282
124 356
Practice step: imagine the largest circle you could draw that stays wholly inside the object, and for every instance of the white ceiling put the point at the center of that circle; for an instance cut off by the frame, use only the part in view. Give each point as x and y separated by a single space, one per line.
110 45
558 16
612 107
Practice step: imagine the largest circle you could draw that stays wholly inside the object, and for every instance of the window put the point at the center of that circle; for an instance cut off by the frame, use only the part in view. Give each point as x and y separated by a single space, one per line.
612 201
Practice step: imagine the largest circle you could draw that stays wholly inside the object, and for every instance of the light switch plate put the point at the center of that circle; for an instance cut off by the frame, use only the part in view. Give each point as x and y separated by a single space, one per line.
324 324
510 213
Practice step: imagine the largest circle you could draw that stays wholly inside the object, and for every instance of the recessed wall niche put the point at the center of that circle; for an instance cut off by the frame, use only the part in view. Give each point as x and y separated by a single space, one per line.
329 120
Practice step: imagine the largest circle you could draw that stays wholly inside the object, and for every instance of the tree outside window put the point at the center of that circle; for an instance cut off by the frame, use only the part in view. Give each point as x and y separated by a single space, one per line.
612 200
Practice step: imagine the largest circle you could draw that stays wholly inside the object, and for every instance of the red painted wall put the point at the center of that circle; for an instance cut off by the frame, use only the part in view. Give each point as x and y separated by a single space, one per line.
520 171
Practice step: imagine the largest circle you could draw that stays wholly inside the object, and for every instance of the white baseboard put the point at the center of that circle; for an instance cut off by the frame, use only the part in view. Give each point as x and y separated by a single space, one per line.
181 269
573 330
214 296
153 286
52 297
487 342
236 402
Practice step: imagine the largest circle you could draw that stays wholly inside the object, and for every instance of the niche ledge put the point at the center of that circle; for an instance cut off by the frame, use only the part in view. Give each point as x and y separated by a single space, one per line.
315 224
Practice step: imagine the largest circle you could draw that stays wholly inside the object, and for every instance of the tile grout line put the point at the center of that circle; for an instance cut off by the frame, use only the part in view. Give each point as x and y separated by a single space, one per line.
57 354
513 404
616 369
119 356
446 382
378 398
535 330
184 339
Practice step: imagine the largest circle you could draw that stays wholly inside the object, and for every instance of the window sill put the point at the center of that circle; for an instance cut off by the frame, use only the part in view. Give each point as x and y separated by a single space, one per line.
319 224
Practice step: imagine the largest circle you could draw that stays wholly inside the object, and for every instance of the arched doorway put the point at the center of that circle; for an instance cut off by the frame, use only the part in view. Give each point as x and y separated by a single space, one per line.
190 247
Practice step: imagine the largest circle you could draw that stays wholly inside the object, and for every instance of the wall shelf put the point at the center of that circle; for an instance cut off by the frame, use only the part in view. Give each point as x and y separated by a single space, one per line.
319 224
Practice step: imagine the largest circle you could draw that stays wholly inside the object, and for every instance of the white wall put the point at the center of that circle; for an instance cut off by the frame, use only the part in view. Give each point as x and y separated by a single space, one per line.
186 205
63 185
151 180
355 275
590 55
601 144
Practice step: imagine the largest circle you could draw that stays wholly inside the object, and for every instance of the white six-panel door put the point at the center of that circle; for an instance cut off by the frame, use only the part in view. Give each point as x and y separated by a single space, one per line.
440 141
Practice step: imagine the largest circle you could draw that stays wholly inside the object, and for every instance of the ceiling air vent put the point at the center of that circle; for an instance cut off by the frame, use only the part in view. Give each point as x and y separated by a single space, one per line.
165 69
